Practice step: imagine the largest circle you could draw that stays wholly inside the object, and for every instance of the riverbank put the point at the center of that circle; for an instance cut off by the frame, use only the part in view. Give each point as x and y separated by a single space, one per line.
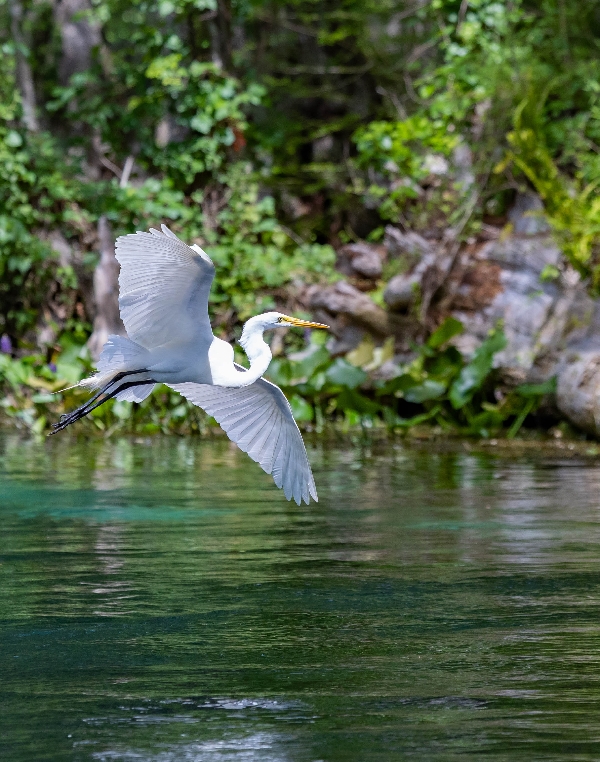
495 346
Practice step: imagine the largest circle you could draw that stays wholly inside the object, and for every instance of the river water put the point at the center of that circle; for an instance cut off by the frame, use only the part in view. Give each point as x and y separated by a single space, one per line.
161 601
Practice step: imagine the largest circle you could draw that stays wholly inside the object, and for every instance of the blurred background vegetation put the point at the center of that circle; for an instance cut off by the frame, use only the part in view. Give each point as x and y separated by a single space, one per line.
272 133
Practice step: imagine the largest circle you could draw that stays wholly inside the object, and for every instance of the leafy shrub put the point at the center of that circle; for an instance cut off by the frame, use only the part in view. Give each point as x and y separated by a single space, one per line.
572 206
438 385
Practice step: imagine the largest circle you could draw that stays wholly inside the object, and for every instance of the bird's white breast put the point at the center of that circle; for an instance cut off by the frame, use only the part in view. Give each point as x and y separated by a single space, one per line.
220 360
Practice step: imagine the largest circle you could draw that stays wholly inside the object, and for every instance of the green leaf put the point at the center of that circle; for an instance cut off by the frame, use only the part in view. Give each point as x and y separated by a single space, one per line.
473 375
448 329
485 422
341 373
428 390
304 364
280 371
398 385
302 410
13 139
549 273
537 390
349 399
514 429
445 364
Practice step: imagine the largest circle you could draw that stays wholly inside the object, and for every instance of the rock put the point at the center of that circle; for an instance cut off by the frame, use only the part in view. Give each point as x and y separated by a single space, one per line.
533 254
362 259
345 309
578 386
502 284
346 299
347 338
462 160
552 327
401 292
407 245
526 215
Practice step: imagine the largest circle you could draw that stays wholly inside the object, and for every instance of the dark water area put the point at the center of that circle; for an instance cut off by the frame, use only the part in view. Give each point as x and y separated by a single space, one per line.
161 601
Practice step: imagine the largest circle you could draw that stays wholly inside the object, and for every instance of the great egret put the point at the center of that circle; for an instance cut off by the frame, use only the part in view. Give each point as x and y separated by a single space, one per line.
164 286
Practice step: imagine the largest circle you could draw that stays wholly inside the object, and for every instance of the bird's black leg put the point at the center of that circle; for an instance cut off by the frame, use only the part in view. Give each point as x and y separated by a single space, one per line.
107 386
74 415
102 396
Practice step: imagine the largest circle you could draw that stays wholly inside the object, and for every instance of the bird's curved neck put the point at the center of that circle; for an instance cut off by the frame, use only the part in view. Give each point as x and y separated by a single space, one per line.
257 351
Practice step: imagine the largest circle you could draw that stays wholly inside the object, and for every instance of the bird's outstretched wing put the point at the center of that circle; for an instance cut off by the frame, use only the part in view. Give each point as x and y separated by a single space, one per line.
163 287
258 418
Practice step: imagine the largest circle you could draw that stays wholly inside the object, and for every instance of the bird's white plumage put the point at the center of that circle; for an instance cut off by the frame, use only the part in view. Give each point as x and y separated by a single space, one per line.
258 418
163 289
136 394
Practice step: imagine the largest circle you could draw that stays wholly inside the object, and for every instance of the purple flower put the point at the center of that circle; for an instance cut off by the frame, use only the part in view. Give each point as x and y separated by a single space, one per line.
5 344
52 367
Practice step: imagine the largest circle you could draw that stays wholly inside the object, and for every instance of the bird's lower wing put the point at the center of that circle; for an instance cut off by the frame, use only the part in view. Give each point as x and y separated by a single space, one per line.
258 418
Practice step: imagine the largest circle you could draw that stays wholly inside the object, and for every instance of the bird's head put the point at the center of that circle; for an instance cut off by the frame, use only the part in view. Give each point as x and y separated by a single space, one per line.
268 320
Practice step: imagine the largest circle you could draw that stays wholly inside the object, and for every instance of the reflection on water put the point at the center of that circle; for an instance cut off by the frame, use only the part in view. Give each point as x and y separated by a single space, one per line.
159 600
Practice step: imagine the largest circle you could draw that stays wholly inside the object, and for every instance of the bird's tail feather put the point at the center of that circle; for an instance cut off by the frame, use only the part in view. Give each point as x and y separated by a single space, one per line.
119 364
119 354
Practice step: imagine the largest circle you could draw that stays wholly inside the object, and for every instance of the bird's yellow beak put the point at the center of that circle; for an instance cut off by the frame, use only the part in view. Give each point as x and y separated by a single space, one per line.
302 323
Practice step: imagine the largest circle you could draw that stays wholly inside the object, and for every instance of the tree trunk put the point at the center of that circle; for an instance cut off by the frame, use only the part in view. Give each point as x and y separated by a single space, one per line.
78 34
106 292
24 75
220 36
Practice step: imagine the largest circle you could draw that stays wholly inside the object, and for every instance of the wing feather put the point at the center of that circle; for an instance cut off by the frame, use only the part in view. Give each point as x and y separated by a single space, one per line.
258 418
259 451
163 286
280 458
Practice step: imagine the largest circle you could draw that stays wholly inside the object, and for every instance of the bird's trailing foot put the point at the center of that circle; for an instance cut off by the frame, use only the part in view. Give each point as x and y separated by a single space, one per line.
117 384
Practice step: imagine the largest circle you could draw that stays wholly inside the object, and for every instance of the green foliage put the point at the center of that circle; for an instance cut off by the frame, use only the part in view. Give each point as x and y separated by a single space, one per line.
186 114
439 385
450 328
254 254
393 144
404 150
519 76
474 373
573 208
34 195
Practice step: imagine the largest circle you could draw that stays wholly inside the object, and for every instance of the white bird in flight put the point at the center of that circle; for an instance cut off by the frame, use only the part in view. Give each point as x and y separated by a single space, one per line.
163 299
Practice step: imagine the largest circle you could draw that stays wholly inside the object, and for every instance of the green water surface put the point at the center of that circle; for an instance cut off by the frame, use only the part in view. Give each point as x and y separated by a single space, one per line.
161 601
